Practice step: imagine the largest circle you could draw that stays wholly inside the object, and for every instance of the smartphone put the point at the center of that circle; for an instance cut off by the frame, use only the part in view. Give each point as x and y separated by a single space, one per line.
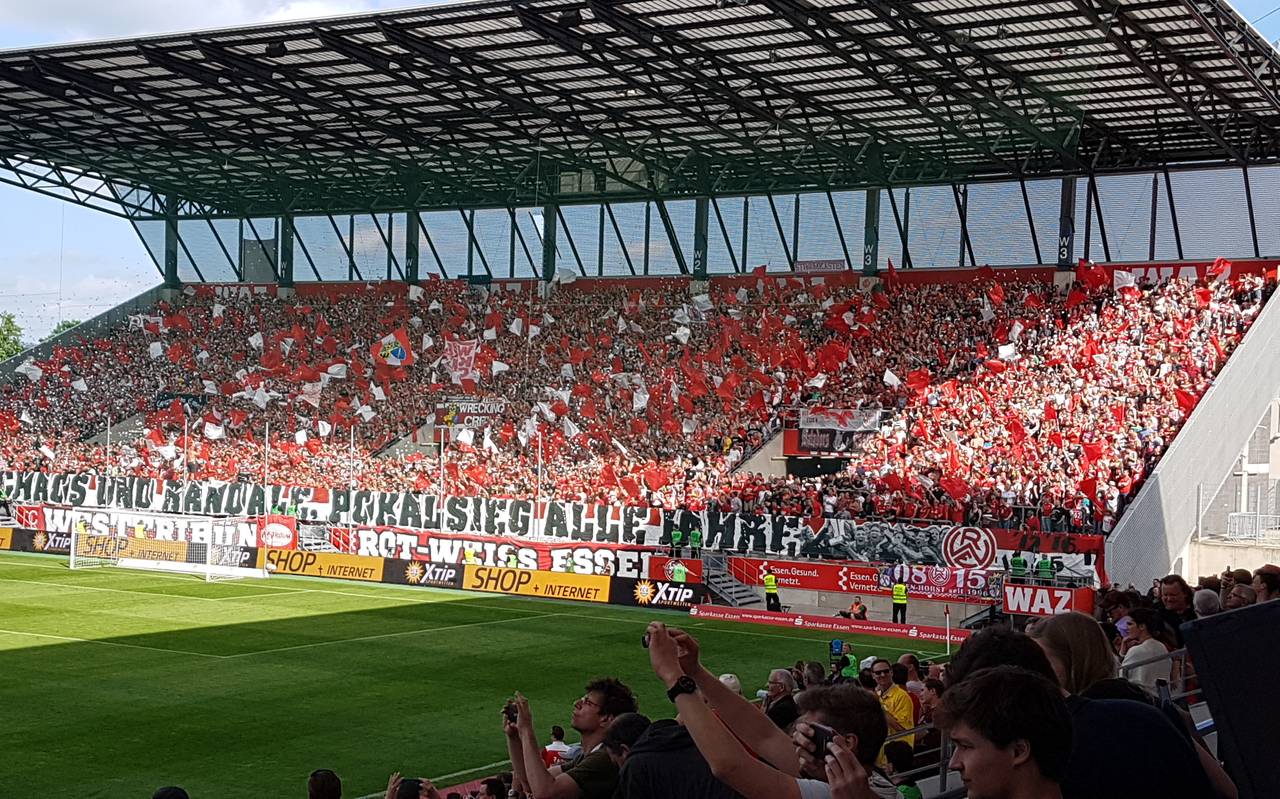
645 641
822 736
509 710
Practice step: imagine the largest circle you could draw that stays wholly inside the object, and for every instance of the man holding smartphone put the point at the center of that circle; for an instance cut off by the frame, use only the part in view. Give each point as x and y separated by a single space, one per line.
840 731
592 775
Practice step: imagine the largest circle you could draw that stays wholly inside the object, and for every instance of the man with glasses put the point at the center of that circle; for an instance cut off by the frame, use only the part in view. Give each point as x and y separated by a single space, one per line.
592 774
899 711
779 703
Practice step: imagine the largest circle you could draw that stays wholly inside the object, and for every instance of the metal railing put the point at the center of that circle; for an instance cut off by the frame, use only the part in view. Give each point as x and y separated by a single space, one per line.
1259 527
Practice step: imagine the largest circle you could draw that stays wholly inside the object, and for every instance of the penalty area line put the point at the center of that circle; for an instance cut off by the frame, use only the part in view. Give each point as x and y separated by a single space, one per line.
114 643
386 635
486 767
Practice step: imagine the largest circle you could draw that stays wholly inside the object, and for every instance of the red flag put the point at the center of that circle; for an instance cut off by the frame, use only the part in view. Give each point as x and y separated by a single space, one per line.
892 279
1219 267
995 293
1075 297
995 365
1033 300
1050 412
918 379
957 488
1091 275
1186 400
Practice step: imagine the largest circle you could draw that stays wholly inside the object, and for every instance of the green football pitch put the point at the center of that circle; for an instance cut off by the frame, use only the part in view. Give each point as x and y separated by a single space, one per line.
115 682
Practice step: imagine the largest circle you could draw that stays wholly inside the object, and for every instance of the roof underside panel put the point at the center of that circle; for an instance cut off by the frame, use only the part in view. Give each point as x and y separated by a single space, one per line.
510 104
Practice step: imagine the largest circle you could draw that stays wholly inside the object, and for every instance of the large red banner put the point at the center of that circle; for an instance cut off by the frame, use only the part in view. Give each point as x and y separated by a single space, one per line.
923 582
834 624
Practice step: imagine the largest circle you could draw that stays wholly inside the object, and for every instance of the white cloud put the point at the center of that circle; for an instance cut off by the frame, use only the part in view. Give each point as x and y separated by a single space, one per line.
54 21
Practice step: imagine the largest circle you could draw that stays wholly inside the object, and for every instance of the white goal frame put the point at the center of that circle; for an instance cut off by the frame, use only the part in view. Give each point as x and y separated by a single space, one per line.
210 561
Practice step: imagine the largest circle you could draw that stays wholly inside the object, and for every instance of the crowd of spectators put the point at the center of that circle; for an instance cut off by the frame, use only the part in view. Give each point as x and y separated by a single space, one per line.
1040 712
1003 404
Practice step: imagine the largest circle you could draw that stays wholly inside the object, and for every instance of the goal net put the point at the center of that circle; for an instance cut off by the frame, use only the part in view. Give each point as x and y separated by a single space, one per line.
211 561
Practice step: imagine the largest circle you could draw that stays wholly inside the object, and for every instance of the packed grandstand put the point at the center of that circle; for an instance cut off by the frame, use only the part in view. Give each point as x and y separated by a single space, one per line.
994 396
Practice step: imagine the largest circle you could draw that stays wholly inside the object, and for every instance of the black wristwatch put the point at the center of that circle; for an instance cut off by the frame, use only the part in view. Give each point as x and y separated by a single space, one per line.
684 685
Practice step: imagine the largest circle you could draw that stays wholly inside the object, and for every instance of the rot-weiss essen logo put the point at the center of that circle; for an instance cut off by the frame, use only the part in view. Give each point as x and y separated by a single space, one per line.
969 548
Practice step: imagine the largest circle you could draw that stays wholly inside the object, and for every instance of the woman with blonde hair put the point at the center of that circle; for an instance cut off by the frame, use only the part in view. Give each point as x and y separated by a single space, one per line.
1077 649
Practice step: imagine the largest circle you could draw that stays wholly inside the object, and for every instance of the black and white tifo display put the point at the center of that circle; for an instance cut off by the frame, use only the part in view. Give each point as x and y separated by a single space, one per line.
777 535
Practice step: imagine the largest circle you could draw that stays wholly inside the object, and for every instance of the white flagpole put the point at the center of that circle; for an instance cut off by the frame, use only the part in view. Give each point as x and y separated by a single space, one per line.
441 459
947 608
108 444
542 517
351 459
186 452
266 455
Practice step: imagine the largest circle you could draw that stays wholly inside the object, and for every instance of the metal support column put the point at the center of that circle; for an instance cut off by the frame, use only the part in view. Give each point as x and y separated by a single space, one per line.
1067 223
411 236
871 234
1088 220
286 252
171 243
1173 213
1248 198
1155 203
550 212
701 209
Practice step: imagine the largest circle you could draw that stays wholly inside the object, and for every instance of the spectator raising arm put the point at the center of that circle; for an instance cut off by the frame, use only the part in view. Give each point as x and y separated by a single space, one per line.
543 782
729 761
745 720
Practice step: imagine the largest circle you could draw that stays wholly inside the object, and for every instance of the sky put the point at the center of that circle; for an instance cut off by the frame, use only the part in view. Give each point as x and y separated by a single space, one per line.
60 261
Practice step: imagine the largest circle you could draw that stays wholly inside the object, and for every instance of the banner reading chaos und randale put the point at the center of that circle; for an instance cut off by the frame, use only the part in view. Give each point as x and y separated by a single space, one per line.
845 539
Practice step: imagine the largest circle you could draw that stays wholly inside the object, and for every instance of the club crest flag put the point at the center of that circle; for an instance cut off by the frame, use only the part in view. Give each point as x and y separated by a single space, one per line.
460 359
393 349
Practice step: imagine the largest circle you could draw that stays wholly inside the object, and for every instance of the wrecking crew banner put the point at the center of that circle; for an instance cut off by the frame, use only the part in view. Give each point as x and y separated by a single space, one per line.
867 541
800 621
942 583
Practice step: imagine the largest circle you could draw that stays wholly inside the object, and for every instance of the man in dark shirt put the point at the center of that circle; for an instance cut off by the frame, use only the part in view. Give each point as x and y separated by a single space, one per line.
666 764
1176 596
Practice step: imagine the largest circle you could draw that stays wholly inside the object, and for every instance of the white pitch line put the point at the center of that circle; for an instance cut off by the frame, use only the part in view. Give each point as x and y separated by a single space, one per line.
444 777
50 584
115 643
386 635
275 592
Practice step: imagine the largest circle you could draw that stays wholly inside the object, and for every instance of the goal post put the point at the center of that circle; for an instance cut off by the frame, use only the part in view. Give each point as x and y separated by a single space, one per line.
211 561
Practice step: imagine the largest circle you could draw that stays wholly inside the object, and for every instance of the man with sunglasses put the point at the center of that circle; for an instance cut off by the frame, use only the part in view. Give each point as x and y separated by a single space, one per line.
592 774
899 710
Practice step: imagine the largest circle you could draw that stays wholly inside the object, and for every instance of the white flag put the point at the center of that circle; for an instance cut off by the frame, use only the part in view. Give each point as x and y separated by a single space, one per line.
31 371
202 356
682 334
310 394
640 399
1015 332
324 428
168 452
680 317
261 398
434 306
566 371
741 295
300 437
498 367
819 380
45 451
534 330
488 441
26 418
218 308
490 333
415 293
570 429
256 340
365 412
213 432
891 380
1007 352
1123 279
688 427
466 437
379 394
79 385
155 350
516 327
336 370
564 276
702 302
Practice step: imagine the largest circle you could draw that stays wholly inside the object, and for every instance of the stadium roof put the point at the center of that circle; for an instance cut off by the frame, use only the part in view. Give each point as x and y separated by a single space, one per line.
491 104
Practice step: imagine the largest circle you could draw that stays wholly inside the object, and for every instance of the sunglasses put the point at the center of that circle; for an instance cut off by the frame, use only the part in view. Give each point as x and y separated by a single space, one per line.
882 671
